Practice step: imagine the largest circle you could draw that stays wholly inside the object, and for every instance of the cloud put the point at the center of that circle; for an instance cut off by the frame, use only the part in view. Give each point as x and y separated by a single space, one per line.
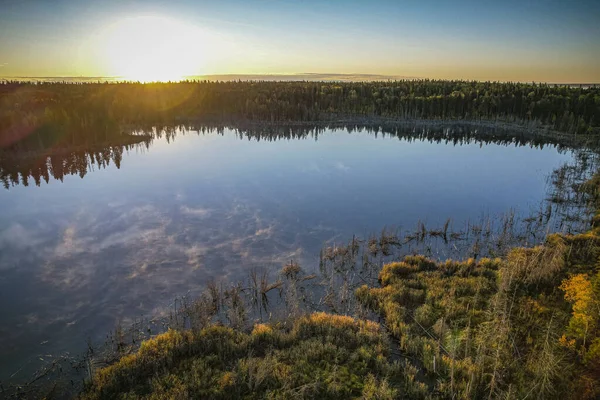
17 236
128 259
341 166
134 234
70 244
197 212
195 255
138 270
265 231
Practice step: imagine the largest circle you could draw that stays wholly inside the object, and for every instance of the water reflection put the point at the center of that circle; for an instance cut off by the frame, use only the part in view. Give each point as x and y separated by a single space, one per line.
29 163
29 168
162 217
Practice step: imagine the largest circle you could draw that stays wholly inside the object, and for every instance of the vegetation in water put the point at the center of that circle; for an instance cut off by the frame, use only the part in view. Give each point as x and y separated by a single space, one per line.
526 324
488 328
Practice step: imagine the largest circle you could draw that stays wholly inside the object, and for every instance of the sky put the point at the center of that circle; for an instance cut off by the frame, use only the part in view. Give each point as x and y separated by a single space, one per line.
525 40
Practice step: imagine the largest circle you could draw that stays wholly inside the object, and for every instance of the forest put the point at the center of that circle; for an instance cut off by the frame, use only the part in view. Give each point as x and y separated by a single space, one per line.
49 114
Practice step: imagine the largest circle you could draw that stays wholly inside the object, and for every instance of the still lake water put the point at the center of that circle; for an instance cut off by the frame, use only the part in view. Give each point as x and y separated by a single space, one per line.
77 256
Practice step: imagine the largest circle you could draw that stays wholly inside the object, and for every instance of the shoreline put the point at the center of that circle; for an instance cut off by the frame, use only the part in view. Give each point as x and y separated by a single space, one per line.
333 122
534 129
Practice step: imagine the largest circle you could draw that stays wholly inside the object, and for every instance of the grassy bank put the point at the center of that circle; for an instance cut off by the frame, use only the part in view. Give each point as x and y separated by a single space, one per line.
320 356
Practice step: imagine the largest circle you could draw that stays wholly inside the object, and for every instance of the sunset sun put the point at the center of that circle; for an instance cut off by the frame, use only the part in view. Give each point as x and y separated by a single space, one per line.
155 48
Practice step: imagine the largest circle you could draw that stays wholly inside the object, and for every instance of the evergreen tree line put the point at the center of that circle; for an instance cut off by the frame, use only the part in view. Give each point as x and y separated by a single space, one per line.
46 112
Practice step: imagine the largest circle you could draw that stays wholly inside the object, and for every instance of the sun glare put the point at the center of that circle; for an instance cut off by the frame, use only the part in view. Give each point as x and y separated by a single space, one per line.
155 49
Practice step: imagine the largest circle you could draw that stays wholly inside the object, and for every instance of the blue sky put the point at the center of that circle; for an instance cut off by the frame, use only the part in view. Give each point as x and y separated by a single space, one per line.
554 41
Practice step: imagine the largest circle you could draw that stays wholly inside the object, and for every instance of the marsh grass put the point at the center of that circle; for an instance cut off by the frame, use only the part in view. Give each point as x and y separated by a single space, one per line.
319 356
497 328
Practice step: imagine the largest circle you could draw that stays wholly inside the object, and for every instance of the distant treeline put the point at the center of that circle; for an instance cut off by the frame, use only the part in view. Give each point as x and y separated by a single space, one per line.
49 113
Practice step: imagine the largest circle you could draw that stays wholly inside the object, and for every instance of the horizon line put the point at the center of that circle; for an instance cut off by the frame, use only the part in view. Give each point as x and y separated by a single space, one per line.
316 76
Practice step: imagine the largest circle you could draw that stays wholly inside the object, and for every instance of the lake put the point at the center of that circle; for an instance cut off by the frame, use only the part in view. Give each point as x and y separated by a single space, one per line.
79 255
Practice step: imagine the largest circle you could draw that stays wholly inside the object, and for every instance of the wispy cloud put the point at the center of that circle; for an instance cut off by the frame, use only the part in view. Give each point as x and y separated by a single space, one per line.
341 166
133 259
199 212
